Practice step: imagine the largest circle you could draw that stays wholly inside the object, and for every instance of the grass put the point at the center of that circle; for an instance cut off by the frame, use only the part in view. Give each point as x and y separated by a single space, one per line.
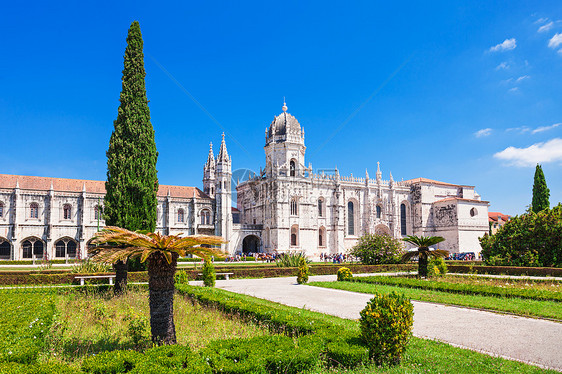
532 308
91 323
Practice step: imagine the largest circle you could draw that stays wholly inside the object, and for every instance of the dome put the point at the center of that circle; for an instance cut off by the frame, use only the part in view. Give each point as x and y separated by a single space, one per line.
283 124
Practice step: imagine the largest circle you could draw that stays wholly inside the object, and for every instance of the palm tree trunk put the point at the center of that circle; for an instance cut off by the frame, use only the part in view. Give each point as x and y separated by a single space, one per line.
121 268
422 265
161 295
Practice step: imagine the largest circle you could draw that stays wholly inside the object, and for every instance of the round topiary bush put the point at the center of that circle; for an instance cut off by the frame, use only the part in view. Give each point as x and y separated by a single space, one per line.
344 274
386 326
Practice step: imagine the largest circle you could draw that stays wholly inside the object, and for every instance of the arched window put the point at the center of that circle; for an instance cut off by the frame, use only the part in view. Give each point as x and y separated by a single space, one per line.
379 211
65 247
292 168
32 248
33 211
5 249
98 212
205 217
473 212
294 236
1 209
67 211
320 207
294 207
350 218
181 217
403 219
322 237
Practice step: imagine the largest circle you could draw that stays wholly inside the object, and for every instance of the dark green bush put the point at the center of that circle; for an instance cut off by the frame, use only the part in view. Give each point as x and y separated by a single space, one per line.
375 249
346 354
386 327
171 359
209 274
532 239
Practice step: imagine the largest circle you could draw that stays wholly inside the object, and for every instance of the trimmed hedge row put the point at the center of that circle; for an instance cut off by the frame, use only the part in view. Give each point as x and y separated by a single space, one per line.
24 321
462 288
65 277
315 339
505 270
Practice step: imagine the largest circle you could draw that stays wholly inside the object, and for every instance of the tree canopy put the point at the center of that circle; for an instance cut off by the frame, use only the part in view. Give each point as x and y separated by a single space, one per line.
541 193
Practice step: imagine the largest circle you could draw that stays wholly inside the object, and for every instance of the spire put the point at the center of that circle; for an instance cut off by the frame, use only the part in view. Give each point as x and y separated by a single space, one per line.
84 187
284 105
51 188
366 174
391 180
211 159
223 154
379 174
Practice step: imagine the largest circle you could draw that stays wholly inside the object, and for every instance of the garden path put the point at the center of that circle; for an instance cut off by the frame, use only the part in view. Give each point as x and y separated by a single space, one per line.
534 341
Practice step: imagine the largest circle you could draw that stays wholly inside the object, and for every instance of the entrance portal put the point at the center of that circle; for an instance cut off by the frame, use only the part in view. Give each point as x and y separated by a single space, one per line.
251 244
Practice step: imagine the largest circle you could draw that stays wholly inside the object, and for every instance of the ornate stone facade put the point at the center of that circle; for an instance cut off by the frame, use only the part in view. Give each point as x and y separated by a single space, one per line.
290 207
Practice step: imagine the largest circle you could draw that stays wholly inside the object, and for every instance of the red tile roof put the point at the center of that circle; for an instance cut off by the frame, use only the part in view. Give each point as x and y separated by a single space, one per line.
431 181
461 199
77 185
493 216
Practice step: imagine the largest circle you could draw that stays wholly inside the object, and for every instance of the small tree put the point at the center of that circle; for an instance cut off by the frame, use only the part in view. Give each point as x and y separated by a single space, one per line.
131 187
541 193
161 252
303 271
423 252
374 249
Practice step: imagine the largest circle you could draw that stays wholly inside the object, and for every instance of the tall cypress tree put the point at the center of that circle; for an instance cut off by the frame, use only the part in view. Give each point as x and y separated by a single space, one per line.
132 183
541 193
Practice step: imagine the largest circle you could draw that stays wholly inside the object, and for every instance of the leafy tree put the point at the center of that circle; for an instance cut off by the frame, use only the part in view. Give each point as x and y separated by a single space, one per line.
541 193
161 252
375 249
532 239
132 184
423 252
209 274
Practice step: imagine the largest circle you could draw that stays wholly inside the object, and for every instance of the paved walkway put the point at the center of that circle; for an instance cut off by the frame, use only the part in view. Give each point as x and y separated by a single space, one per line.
529 340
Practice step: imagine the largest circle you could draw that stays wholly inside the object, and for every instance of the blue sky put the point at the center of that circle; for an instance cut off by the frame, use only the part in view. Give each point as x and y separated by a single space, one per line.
463 92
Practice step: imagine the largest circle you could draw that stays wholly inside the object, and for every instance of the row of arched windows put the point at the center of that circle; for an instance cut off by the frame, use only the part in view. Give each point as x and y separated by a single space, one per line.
294 236
35 248
205 216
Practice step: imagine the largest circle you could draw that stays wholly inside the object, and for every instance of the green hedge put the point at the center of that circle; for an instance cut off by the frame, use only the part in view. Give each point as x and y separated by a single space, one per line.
506 270
462 288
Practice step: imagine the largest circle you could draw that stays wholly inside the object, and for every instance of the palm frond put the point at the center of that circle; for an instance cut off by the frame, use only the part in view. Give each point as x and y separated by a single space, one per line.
408 256
118 244
438 253
423 241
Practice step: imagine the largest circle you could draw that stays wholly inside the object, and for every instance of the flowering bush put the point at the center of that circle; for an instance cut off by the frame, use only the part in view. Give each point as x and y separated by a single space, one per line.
375 249
344 274
436 267
386 326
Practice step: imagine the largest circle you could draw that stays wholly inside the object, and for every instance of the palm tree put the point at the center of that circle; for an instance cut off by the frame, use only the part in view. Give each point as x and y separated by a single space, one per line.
161 252
423 243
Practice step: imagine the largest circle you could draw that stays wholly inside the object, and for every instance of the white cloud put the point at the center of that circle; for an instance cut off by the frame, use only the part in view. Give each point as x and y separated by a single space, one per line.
541 20
545 128
555 41
506 45
514 89
504 65
522 129
546 27
538 153
483 132
522 78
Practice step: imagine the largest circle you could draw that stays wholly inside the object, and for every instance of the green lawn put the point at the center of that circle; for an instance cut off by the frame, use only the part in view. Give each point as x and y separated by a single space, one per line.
524 307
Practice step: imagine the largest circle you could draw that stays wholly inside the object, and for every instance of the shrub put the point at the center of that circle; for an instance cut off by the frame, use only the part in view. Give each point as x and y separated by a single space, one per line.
181 277
436 267
290 260
209 274
386 326
375 249
303 271
344 274
111 362
88 266
138 329
532 239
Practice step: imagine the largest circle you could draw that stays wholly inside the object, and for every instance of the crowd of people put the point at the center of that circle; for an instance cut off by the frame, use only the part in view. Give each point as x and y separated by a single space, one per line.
336 258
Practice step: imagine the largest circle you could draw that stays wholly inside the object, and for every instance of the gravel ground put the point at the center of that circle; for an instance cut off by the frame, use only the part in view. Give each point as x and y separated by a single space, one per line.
530 340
